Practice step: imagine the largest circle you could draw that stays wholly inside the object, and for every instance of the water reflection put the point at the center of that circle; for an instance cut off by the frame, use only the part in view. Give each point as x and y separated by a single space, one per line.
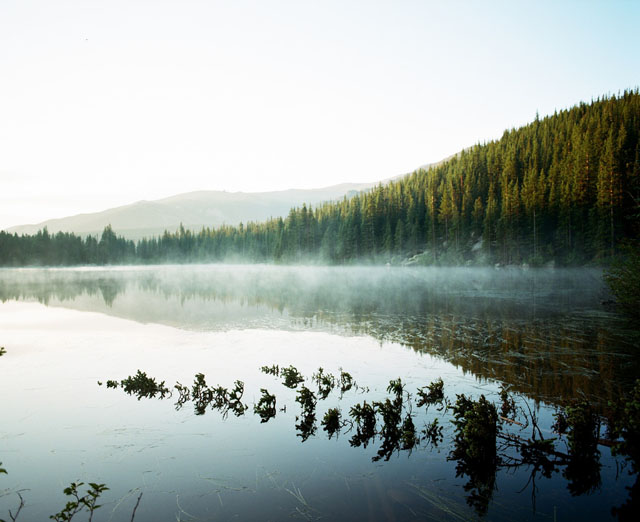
484 442
545 333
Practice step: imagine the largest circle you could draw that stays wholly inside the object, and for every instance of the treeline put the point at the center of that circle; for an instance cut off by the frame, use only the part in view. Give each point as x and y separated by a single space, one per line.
565 188
64 249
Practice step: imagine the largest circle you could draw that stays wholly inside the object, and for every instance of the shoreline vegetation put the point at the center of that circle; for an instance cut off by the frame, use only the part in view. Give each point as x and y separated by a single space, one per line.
563 190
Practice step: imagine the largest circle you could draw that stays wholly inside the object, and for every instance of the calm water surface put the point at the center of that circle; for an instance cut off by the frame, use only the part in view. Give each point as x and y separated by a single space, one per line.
543 335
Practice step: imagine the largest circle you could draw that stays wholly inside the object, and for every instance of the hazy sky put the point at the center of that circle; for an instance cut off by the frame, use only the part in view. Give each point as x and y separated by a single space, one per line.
105 103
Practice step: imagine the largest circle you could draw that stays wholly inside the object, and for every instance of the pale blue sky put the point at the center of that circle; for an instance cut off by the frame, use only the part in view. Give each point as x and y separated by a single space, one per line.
105 103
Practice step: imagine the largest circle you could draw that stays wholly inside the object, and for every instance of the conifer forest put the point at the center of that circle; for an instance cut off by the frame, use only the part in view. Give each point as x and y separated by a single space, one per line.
563 189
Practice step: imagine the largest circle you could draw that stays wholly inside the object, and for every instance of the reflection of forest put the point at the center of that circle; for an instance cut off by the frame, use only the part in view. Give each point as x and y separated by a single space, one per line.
542 333
550 360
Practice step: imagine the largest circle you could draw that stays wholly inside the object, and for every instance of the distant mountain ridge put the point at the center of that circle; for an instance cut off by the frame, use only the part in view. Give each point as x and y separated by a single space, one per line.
194 210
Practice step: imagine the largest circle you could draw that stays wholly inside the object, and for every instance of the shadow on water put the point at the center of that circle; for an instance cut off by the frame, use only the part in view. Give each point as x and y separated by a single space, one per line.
545 333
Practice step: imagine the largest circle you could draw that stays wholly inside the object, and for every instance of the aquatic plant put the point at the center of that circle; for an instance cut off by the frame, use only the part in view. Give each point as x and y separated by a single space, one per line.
331 421
364 417
271 370
584 428
345 382
396 387
266 407
292 377
408 436
201 394
307 399
184 395
325 381
476 424
219 398
432 432
234 399
141 385
204 396
391 412
307 419
306 426
78 503
431 394
583 469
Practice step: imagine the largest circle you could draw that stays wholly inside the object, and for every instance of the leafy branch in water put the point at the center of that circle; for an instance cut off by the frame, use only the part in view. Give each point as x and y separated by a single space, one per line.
271 370
201 394
292 377
266 407
218 398
141 386
326 383
391 412
432 432
87 503
307 419
331 422
431 394
78 503
476 424
396 387
364 417
408 436
307 399
345 382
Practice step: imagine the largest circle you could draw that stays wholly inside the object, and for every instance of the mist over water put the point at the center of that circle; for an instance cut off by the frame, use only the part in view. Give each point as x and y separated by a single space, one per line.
304 290
544 334
484 320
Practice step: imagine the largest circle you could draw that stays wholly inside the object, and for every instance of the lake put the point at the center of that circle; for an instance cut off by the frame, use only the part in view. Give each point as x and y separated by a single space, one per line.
543 335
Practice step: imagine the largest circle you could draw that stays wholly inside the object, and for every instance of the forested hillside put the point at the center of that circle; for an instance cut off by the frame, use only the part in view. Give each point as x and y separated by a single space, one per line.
565 188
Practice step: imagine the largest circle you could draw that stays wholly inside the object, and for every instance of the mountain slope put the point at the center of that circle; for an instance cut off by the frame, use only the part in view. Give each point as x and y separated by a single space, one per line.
194 210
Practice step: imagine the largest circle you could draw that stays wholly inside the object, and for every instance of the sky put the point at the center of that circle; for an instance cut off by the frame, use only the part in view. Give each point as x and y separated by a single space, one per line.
106 103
